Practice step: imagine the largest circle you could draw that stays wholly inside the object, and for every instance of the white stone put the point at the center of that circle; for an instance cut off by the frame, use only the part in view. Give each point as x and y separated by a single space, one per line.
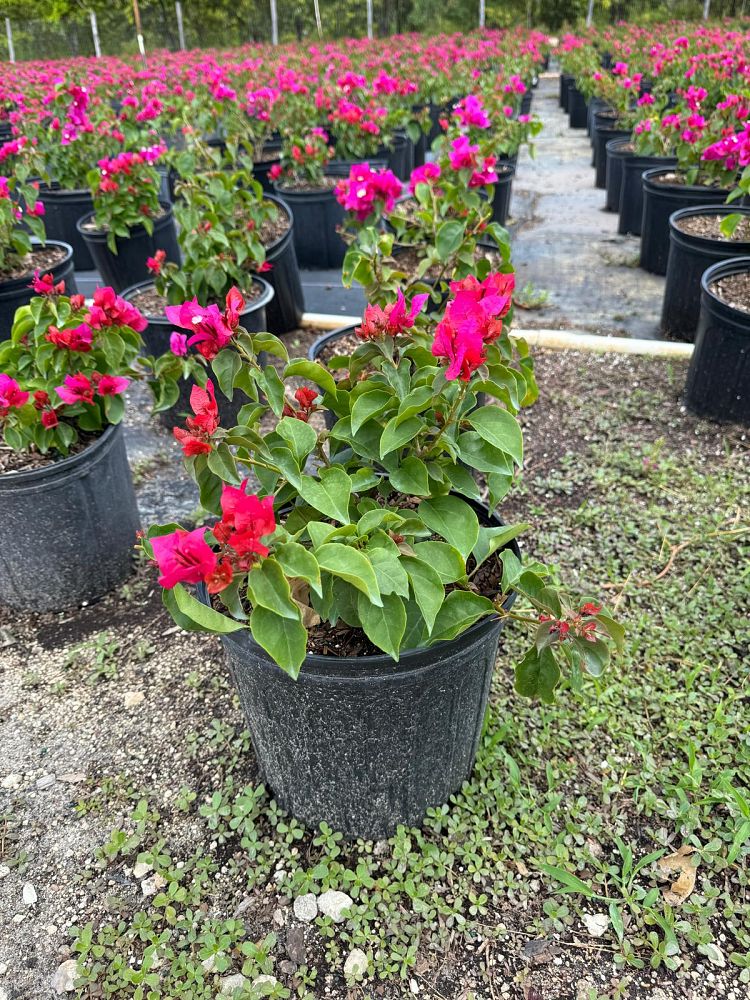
414 986
596 923
141 870
265 981
63 981
46 781
306 907
355 965
133 698
3 994
333 903
11 781
209 963
150 886
231 983
3 968
4 871
73 777
29 894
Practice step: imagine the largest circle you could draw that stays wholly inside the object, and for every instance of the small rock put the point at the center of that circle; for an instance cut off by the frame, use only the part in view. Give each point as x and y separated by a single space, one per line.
333 903
3 994
209 963
355 965
150 886
63 981
3 968
295 944
414 986
278 917
141 870
380 848
287 967
133 698
596 923
4 871
46 781
306 907
29 894
11 781
538 952
73 777
231 983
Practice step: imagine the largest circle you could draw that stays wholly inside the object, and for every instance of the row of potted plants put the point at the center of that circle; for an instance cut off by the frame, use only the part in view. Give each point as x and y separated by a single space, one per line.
669 126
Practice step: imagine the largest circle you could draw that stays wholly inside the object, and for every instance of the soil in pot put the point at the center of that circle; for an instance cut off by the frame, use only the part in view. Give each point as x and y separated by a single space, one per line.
42 259
15 283
25 461
734 291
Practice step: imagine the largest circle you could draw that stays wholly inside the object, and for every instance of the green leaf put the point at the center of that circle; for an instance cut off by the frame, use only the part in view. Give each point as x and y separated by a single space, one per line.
351 565
312 371
274 389
221 462
429 591
283 639
449 238
396 435
492 539
268 587
500 429
614 629
329 493
417 401
594 655
270 344
194 615
446 560
410 477
453 519
389 572
301 437
297 561
384 626
225 366
538 674
368 405
482 456
460 609
568 882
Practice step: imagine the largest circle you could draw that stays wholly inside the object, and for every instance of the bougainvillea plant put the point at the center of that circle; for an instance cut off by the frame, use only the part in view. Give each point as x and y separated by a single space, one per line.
65 367
304 159
125 189
375 523
21 211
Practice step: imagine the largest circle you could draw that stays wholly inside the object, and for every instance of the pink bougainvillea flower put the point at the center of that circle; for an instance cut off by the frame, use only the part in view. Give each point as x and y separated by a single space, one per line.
49 419
178 343
11 394
390 320
155 263
463 154
77 339
471 112
423 175
210 330
45 285
110 385
195 437
235 303
365 189
306 402
464 349
473 318
76 389
183 557
245 520
109 309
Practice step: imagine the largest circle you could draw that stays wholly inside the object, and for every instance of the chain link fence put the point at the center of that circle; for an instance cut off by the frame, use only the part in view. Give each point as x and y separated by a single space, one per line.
228 25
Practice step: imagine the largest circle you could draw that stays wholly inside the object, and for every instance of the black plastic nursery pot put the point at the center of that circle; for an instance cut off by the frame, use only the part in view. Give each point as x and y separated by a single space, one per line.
63 208
602 135
128 266
365 743
718 382
615 151
503 190
690 256
595 105
577 110
68 529
17 292
156 338
341 168
284 310
631 190
566 82
316 217
261 168
660 199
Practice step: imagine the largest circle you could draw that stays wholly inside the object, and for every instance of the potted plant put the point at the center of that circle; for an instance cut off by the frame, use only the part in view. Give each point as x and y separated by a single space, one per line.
361 586
69 511
302 182
129 222
27 260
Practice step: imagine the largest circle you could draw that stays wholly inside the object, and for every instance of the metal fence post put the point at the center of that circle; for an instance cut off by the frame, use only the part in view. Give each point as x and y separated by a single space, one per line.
180 26
706 9
481 13
274 24
369 18
590 14
9 36
95 34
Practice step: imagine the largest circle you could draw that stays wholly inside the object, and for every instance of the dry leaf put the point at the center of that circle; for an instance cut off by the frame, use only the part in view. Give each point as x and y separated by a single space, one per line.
300 592
522 869
685 883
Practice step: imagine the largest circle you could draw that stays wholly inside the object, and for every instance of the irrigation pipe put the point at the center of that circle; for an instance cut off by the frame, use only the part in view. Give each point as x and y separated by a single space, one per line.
556 340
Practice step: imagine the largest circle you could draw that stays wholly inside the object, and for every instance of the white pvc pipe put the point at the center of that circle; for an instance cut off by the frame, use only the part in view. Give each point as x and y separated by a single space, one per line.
556 340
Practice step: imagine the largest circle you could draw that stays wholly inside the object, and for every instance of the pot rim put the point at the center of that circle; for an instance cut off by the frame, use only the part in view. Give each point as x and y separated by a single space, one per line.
265 297
324 339
743 246
319 194
650 175
723 269
101 234
56 191
54 470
